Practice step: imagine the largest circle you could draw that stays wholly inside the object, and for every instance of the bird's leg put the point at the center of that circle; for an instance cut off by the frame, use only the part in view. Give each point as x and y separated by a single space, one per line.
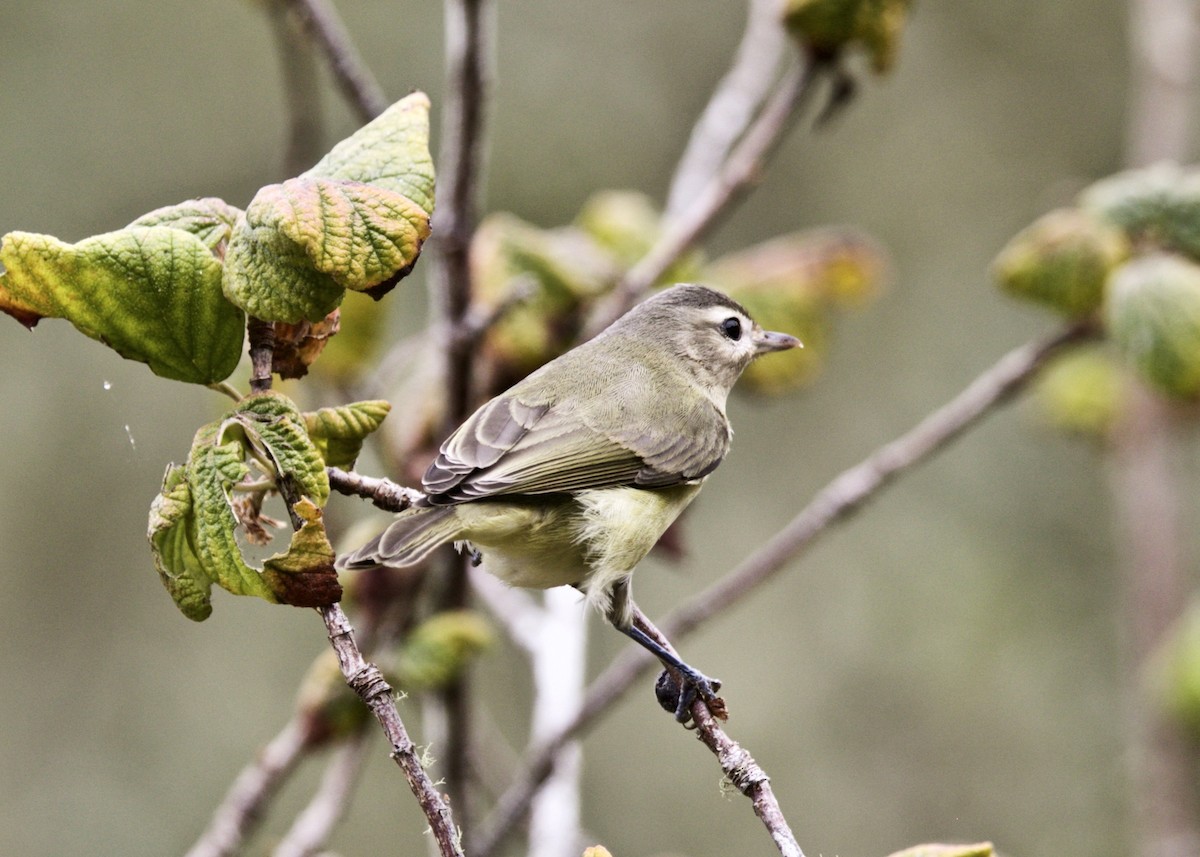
628 618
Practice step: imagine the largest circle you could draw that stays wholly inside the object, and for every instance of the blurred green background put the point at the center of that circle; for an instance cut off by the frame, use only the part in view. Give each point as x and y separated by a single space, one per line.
944 666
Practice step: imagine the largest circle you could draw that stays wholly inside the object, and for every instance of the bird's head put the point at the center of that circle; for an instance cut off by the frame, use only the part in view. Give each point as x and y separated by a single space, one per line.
707 332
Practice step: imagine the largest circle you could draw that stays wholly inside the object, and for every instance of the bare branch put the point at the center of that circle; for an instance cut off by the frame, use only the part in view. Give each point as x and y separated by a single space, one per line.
300 91
262 350
322 22
312 827
1143 481
367 681
737 98
469 41
844 495
460 158
747 777
242 809
739 170
384 493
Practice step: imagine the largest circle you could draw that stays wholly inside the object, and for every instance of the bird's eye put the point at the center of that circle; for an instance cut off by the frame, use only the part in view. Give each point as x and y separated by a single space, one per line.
732 328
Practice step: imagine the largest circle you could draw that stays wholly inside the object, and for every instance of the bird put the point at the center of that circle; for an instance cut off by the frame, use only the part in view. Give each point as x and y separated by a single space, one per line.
573 474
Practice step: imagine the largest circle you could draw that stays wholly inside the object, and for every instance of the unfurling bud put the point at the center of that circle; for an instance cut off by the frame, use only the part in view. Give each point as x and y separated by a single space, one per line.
1083 391
1062 260
827 27
1153 317
1158 207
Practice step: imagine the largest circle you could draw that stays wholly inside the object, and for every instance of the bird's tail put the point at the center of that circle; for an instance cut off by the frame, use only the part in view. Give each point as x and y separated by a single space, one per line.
408 539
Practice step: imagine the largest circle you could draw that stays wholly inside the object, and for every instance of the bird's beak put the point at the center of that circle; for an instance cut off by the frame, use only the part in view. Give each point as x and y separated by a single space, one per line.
766 341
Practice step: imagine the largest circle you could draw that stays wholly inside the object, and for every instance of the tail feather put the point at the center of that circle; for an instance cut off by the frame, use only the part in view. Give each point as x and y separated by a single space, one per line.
410 538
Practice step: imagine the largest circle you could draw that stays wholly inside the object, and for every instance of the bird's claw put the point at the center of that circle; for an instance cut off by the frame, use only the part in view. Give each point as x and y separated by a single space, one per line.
678 700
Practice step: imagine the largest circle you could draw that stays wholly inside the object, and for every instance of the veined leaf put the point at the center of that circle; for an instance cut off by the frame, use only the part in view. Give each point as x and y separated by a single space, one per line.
356 220
338 433
151 293
193 521
210 219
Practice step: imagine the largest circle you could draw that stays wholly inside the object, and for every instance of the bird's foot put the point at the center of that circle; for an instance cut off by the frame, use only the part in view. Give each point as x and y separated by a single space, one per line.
678 700
472 553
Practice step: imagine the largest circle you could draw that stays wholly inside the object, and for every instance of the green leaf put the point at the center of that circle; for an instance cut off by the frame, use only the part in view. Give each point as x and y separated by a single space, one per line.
391 152
210 219
273 426
1153 316
440 648
193 522
338 433
357 220
151 293
170 532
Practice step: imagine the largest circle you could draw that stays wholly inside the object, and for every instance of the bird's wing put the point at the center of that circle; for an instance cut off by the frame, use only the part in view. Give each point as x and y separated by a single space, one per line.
510 446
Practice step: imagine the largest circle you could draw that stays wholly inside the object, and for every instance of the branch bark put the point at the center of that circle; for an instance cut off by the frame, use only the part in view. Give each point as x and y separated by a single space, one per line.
243 806
736 173
1143 483
322 22
367 681
844 495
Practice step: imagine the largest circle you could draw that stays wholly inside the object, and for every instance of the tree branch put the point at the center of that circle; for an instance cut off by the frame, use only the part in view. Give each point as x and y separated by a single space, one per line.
312 827
736 99
367 681
736 173
300 90
844 495
242 809
469 25
384 493
323 24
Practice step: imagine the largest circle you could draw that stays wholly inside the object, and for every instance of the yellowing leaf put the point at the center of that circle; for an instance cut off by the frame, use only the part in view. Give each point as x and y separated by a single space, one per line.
356 220
210 219
935 849
338 433
193 522
151 293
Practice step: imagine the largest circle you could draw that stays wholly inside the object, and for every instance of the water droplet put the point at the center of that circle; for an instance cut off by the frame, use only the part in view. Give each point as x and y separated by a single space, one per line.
129 434
108 385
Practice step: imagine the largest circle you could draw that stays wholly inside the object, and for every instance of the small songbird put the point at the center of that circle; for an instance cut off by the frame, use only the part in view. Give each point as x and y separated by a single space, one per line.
572 475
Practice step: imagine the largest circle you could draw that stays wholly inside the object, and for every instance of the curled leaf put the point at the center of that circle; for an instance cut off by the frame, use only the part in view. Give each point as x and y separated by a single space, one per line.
1062 260
297 346
440 648
338 433
827 27
194 520
937 849
356 220
151 293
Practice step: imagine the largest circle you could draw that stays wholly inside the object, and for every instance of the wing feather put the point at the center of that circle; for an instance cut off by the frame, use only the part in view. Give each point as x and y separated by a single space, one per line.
512 445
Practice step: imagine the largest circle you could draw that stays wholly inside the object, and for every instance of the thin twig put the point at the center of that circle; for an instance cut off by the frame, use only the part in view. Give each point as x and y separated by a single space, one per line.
354 78
739 766
1143 480
300 91
312 827
367 681
384 493
242 809
734 102
469 41
740 169
262 351
844 495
